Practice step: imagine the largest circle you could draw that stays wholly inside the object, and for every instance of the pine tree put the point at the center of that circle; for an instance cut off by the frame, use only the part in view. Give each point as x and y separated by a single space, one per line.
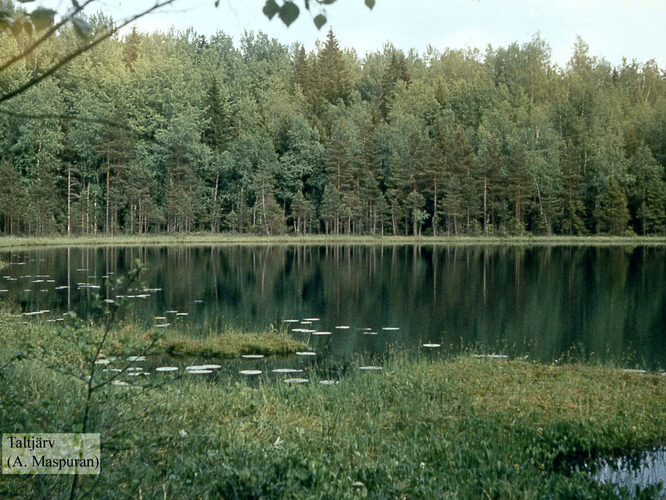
301 70
334 79
131 48
611 211
647 196
396 71
572 204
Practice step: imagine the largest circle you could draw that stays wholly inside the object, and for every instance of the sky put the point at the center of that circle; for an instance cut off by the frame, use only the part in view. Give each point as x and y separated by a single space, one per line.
613 29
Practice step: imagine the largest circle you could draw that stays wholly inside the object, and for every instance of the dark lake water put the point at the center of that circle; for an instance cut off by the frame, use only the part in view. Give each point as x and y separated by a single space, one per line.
598 302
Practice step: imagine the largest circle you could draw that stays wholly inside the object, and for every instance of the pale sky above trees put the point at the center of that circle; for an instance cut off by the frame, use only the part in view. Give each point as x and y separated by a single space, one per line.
612 28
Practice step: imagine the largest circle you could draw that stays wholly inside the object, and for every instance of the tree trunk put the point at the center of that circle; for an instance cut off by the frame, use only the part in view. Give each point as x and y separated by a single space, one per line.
435 216
69 199
485 204
108 188
543 213
213 220
241 215
263 210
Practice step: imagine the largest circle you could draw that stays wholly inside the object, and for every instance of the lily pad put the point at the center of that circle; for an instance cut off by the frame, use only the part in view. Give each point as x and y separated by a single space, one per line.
250 372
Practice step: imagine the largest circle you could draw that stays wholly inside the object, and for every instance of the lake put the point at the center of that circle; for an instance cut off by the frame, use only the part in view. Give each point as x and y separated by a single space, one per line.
544 302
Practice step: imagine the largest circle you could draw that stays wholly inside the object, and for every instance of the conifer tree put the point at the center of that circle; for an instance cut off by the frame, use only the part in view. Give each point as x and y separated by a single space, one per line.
334 79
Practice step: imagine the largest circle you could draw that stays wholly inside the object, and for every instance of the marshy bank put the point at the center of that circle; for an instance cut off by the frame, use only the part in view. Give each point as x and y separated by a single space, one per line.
204 238
419 427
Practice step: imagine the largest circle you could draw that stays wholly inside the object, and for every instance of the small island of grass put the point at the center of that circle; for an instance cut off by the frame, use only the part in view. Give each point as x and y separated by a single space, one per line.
230 344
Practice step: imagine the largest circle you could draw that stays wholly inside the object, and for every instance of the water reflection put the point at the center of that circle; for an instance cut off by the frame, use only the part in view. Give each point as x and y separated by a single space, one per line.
606 302
645 470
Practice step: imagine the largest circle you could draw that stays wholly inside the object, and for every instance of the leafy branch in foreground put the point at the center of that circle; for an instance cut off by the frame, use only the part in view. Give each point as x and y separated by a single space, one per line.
77 52
33 21
87 395
288 11
42 20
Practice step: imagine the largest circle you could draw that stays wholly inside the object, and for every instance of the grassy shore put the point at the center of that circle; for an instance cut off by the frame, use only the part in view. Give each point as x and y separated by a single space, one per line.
201 239
462 427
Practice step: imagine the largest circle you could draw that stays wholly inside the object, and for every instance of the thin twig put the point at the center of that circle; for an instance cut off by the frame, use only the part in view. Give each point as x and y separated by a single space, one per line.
79 118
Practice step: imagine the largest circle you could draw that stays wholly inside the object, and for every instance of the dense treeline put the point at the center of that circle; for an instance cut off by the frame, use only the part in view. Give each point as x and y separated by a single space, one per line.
177 132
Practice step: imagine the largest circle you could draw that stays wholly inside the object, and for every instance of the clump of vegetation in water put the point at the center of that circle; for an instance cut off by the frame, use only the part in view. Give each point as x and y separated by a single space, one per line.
214 343
230 344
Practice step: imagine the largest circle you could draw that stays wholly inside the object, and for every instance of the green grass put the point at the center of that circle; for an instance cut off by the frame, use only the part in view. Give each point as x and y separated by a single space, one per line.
211 343
462 427
230 344
232 239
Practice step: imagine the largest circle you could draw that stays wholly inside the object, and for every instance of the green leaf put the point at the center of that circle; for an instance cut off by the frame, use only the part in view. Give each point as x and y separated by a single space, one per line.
25 1
289 12
370 3
319 21
82 28
217 3
270 9
75 4
326 2
42 18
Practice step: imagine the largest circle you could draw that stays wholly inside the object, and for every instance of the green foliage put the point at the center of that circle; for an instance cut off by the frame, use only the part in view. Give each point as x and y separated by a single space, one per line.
462 427
173 132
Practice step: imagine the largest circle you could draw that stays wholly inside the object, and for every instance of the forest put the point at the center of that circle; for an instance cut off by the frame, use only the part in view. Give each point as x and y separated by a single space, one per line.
178 132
